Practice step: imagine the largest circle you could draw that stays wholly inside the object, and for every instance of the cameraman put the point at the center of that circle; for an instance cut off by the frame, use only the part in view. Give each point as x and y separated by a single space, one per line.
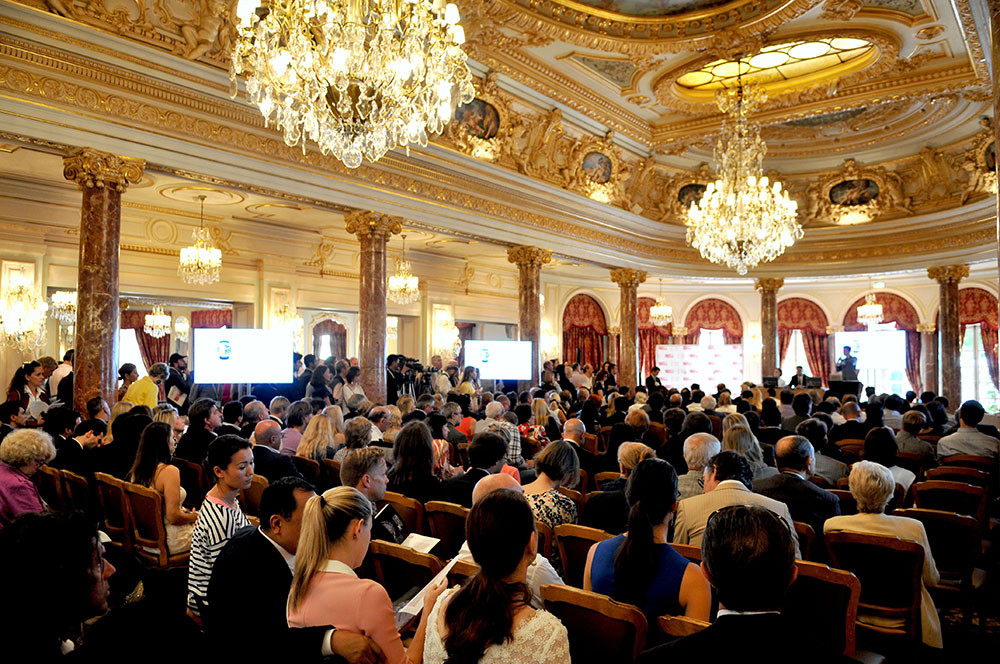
393 379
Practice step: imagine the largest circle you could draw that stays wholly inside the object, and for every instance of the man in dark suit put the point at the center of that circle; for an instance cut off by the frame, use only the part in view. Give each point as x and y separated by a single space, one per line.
653 383
232 419
392 379
266 556
73 454
11 417
806 502
60 423
253 413
799 379
574 433
178 385
853 428
267 460
203 419
486 454
770 431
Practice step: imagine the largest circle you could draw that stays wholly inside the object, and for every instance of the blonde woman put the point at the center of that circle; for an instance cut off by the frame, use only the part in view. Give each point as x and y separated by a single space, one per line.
732 420
629 456
395 424
336 416
336 531
725 404
317 440
117 411
740 439
405 405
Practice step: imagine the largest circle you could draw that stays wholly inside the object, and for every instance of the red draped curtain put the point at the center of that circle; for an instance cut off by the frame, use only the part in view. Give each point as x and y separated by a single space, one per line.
797 313
584 328
650 336
153 350
976 305
898 310
465 332
713 314
338 338
213 318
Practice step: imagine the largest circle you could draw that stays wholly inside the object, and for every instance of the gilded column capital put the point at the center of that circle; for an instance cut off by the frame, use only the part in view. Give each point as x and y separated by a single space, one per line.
680 331
91 168
948 273
769 284
369 223
614 331
627 277
833 329
528 255
926 328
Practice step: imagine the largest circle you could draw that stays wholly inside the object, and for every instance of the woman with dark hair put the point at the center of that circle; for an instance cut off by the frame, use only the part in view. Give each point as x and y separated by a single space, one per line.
413 471
26 388
937 418
152 469
881 447
469 384
127 374
610 381
561 379
873 415
317 380
351 386
639 567
443 450
590 416
489 619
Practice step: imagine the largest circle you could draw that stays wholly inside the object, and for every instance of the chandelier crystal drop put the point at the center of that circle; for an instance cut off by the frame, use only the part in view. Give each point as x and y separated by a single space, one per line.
743 219
286 317
201 262
22 318
661 313
62 306
870 313
404 286
358 77
157 324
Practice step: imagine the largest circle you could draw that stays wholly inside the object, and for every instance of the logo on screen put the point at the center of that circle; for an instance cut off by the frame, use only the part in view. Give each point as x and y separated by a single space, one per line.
225 349
484 355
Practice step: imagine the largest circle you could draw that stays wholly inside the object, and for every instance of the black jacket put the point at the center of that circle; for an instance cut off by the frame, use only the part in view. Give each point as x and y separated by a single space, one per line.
849 430
193 445
607 511
175 379
272 464
458 490
806 502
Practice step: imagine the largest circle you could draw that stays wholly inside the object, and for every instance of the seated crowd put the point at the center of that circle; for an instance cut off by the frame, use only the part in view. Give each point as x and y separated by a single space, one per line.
750 483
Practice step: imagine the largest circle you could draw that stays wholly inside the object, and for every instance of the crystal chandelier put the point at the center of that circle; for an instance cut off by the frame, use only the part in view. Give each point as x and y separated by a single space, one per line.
743 219
870 313
22 317
661 313
391 327
62 306
286 317
202 261
182 329
157 324
359 77
404 286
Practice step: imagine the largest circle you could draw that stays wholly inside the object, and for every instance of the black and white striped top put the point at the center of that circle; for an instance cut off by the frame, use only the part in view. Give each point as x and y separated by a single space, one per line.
216 524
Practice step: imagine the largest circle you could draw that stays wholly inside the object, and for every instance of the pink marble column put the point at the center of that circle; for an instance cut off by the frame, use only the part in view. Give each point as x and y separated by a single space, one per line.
930 352
951 369
373 230
628 281
769 324
995 30
529 261
103 178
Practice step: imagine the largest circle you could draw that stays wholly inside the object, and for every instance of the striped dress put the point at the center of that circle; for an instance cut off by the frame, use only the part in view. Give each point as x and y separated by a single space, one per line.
217 522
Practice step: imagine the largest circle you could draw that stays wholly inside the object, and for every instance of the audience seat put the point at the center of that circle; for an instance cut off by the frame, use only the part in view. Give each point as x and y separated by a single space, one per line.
807 536
193 480
848 505
461 571
823 602
606 476
957 497
583 486
590 443
545 539
577 497
930 438
411 511
251 497
963 474
601 630
658 432
574 543
115 521
603 435
49 483
463 454
76 492
149 535
851 449
986 464
329 474
912 462
691 552
529 447
309 468
399 568
447 523
676 627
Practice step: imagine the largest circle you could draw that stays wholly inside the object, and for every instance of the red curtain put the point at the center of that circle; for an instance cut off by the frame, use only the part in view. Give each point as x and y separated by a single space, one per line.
713 314
784 341
338 338
465 331
213 318
898 310
153 350
650 336
989 335
584 329
976 305
818 353
798 313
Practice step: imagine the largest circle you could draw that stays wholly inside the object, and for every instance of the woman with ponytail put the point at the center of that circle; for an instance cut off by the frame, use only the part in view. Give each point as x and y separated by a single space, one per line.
489 620
639 567
336 531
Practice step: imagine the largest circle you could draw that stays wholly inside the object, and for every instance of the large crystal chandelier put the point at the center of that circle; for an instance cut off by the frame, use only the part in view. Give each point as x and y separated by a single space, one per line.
202 261
870 313
62 306
359 77
22 317
157 324
661 313
404 286
743 219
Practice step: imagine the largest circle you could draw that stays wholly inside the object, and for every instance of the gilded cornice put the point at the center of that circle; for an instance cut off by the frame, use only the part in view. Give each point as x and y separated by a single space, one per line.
948 274
368 223
527 256
977 55
627 278
769 284
94 169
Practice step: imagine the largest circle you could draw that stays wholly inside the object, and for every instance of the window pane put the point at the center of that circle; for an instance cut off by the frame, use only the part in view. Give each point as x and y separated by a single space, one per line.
795 356
325 349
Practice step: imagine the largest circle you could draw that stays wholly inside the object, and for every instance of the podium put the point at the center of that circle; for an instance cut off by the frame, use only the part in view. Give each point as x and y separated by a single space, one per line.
843 387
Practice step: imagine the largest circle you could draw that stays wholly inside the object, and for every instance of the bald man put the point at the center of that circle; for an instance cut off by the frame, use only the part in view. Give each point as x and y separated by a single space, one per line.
574 433
267 460
540 571
796 459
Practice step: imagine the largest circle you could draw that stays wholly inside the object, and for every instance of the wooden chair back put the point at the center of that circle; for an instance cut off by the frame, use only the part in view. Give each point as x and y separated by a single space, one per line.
600 629
583 486
461 571
607 476
574 543
463 454
716 426
963 474
590 442
49 483
577 497
250 498
898 496
399 568
676 627
956 541
545 538
929 438
658 433
852 449
889 569
955 497
692 553
329 474
807 536
529 447
76 491
986 464
149 535
912 462
824 603
848 505
114 510
411 511
603 438
194 481
447 523
309 468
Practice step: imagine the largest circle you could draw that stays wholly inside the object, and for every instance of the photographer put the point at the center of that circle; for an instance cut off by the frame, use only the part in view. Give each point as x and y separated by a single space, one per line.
393 379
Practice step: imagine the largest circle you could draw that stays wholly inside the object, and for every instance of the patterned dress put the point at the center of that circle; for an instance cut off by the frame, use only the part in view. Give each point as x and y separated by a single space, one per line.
553 509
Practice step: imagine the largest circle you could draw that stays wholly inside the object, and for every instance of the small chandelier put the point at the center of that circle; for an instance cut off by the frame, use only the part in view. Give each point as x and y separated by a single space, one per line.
157 324
62 305
391 327
447 341
22 317
404 286
661 313
182 329
286 317
202 261
870 313
359 77
743 219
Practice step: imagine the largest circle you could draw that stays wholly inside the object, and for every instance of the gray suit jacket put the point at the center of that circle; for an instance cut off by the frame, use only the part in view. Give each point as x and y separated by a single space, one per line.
692 513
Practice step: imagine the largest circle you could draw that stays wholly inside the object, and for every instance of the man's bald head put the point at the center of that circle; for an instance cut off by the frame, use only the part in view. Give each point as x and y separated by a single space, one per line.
851 410
574 430
794 453
491 483
267 432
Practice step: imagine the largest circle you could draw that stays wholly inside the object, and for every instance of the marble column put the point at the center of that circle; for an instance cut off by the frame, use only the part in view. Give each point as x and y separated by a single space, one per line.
929 349
529 261
628 281
103 178
951 371
373 230
769 323
831 344
995 30
613 339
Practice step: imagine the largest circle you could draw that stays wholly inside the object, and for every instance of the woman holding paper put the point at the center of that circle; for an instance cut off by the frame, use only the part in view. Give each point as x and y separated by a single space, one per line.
336 531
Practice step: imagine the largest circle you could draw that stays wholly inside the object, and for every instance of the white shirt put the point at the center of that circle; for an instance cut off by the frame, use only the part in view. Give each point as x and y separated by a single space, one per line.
376 434
58 374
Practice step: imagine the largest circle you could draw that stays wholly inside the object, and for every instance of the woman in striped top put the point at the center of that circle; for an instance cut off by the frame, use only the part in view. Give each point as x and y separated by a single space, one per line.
230 460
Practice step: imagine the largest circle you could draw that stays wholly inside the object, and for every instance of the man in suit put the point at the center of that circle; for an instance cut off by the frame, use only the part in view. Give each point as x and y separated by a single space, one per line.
60 423
968 439
486 455
203 419
253 413
653 383
11 417
806 502
574 433
232 419
799 379
826 467
179 383
393 379
728 481
633 429
278 410
771 431
267 460
73 454
265 555
852 428
699 450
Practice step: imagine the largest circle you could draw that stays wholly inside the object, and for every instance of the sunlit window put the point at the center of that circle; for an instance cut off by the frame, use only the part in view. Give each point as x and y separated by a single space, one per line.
976 381
712 338
325 347
795 356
